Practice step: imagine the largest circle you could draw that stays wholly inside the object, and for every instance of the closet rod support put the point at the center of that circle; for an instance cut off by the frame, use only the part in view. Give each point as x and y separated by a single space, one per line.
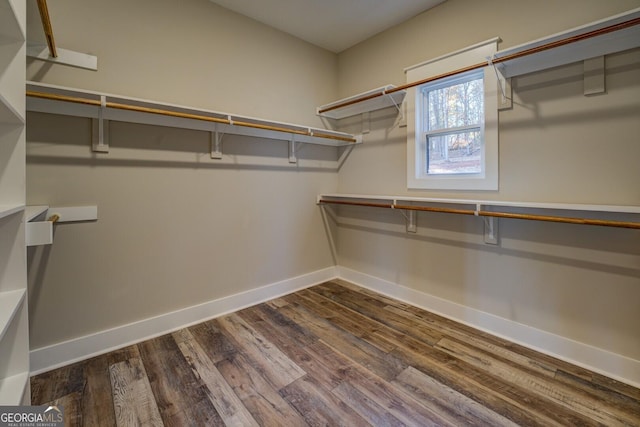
216 144
491 230
292 150
412 222
100 130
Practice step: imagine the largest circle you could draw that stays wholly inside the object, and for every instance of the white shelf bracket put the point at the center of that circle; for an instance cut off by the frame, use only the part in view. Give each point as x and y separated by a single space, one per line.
594 76
216 144
292 150
398 107
491 230
366 122
100 129
401 118
505 99
410 216
412 222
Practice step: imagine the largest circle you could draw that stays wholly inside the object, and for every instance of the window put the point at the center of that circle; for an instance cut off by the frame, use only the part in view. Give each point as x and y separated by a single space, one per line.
452 131
452 114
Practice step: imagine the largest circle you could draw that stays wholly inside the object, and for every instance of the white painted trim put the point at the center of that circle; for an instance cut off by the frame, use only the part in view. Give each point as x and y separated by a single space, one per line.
494 40
613 365
65 57
616 366
77 349
488 178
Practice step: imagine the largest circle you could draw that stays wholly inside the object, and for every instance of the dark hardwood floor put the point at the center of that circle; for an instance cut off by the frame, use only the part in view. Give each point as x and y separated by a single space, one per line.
334 354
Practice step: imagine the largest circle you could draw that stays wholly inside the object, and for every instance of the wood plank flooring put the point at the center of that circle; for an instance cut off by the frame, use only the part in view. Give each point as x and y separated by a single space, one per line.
333 354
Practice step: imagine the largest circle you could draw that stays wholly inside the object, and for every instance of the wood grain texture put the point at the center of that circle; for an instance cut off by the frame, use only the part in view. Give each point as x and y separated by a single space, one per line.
272 362
133 400
266 405
182 397
226 402
334 354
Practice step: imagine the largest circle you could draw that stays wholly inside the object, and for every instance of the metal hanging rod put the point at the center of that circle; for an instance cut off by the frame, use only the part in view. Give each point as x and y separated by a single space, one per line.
483 213
46 26
137 108
493 61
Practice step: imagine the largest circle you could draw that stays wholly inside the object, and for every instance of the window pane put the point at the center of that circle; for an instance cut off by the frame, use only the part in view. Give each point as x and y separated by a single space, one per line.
457 105
454 153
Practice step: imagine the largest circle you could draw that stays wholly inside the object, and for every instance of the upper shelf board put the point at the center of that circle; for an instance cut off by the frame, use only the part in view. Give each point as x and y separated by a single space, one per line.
6 210
622 209
612 42
377 103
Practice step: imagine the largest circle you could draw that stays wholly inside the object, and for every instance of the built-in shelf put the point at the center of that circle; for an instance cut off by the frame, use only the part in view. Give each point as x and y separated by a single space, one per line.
12 389
32 212
483 203
610 35
10 30
81 103
379 99
9 304
14 328
6 210
610 42
8 114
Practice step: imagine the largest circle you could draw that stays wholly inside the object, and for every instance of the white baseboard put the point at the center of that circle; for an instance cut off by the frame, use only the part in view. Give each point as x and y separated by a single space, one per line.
613 365
47 358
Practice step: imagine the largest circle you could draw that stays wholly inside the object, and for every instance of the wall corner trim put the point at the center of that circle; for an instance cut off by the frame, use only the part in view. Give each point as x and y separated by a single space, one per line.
616 366
61 354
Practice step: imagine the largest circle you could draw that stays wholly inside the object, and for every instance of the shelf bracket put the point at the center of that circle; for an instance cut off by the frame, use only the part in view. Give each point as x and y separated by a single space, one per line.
594 76
100 129
491 230
504 84
411 217
398 107
216 144
366 122
412 222
292 150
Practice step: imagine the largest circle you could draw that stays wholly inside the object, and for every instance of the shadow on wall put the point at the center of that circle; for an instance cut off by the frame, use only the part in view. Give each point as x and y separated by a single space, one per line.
65 140
37 262
548 86
603 249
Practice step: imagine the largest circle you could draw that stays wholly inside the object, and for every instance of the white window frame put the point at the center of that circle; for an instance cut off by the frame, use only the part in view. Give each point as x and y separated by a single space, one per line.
487 179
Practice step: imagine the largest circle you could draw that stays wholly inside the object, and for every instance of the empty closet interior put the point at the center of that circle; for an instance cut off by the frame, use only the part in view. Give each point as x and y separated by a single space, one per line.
167 163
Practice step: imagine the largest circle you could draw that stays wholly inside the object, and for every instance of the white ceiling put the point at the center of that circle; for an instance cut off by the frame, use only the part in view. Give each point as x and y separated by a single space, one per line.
332 24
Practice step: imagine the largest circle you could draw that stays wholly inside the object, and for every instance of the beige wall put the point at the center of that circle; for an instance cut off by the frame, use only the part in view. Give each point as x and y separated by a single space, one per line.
556 145
175 227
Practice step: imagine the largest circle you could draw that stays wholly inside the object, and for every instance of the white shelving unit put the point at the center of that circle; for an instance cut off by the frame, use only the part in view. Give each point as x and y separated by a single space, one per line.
612 42
14 329
381 100
104 107
480 204
623 37
578 214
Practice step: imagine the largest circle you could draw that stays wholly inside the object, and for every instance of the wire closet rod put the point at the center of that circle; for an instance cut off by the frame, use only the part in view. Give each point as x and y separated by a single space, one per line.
120 106
547 218
531 51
